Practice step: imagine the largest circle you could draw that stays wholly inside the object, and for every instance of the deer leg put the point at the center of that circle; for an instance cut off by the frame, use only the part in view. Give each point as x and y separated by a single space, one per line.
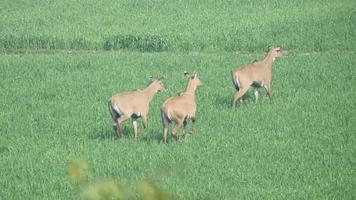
165 122
238 96
185 122
134 125
144 122
114 125
268 88
165 134
119 123
256 94
193 124
179 123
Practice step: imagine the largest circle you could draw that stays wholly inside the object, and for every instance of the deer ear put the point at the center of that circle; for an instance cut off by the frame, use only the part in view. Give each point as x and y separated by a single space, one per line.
186 74
269 48
194 75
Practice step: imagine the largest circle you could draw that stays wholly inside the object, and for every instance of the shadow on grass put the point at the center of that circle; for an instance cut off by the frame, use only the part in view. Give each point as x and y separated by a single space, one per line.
108 133
104 134
149 136
225 102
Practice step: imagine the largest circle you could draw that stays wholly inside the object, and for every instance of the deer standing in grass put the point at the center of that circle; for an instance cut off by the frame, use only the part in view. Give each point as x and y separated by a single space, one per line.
257 74
180 108
134 105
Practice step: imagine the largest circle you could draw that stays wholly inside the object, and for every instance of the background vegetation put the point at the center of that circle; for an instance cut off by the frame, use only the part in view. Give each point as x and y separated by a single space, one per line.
56 76
161 25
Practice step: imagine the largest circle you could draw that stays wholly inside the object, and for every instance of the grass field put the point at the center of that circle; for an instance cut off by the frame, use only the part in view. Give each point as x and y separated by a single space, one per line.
56 77
160 25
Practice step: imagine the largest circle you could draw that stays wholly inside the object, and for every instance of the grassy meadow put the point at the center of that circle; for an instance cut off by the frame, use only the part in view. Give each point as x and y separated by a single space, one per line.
161 25
60 61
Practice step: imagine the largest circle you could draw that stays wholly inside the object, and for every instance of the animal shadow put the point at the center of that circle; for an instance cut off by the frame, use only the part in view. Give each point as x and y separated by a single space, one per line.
108 133
151 136
223 101
103 134
226 101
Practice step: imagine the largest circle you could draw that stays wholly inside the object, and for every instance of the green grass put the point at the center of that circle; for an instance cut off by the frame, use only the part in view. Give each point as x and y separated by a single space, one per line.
300 145
60 62
178 25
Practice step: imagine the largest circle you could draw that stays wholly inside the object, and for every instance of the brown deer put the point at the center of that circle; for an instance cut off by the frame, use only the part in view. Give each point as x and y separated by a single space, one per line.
180 108
256 74
134 105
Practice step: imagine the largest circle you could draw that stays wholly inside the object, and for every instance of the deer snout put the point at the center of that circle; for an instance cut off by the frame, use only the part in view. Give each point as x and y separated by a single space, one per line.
284 53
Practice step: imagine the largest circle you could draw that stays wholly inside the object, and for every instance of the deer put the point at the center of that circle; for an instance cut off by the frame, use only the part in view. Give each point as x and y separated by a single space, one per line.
256 74
179 109
134 105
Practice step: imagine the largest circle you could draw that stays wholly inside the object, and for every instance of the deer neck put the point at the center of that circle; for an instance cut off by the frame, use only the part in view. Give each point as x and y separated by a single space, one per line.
190 89
150 92
269 61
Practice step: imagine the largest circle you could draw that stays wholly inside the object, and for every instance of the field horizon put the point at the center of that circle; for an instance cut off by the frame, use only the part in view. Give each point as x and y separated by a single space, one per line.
178 26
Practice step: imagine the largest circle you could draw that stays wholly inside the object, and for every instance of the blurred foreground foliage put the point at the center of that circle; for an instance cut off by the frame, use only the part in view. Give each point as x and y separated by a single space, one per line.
97 189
